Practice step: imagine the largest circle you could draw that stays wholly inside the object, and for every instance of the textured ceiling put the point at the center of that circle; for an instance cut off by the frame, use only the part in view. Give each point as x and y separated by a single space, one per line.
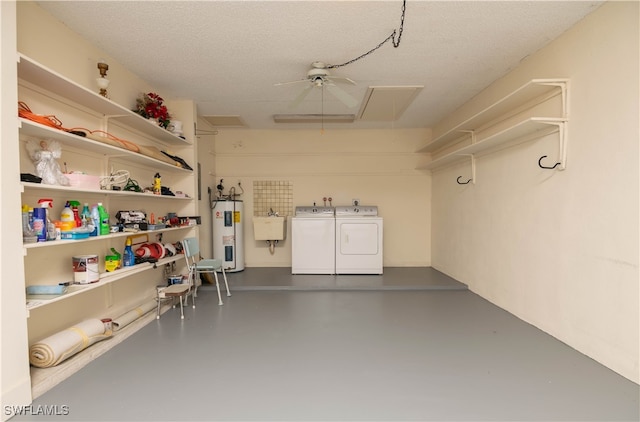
227 55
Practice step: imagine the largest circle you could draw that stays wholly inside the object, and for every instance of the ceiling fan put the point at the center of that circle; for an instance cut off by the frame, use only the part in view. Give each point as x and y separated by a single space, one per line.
320 77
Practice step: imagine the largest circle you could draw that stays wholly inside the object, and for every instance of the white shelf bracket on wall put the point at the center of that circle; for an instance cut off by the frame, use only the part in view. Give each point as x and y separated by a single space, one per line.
561 164
473 135
473 172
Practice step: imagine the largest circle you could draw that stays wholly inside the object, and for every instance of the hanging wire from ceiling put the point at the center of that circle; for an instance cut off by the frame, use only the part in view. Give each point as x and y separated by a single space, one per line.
392 37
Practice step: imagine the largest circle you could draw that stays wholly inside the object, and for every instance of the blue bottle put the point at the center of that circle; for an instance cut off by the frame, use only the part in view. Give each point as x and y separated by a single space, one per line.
128 258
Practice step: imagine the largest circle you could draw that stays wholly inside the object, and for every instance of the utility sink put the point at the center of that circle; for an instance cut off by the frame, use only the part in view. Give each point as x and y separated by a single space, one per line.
270 228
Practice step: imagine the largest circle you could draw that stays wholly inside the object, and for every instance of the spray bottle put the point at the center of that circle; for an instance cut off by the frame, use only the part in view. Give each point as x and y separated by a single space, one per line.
75 207
45 230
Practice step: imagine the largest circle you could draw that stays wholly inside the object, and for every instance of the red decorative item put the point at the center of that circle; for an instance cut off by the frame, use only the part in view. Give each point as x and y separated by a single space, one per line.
151 106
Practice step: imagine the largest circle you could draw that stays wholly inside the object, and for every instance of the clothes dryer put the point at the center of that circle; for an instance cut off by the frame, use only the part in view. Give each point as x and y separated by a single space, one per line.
358 240
313 231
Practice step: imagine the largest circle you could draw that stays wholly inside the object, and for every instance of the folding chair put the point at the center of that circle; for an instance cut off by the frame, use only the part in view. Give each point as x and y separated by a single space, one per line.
197 266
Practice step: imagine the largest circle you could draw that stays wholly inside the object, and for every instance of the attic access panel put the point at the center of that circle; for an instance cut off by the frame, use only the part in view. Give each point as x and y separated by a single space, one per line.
225 121
387 103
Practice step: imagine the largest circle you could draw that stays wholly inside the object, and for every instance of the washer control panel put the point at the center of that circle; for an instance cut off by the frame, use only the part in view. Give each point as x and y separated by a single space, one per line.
357 211
314 212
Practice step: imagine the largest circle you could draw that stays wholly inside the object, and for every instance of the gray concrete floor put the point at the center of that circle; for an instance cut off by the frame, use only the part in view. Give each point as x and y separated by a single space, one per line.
410 345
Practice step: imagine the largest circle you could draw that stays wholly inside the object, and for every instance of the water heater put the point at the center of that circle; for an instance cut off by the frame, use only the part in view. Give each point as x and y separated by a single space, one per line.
228 245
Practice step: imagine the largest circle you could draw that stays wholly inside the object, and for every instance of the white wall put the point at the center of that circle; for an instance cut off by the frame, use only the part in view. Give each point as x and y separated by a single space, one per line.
375 166
559 249
15 384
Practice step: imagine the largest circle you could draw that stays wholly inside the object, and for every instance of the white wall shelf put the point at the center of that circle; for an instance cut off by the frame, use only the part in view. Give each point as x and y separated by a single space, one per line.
535 89
35 187
105 278
522 131
37 130
54 243
509 121
33 72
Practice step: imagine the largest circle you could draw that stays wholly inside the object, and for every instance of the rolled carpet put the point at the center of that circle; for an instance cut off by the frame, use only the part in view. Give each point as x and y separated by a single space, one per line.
127 318
60 346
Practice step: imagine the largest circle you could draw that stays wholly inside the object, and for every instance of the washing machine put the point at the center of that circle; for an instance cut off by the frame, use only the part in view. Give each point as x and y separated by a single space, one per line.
358 240
313 246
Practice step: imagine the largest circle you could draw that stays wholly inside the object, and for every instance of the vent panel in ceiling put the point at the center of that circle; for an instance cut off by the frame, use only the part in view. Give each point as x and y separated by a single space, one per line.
225 121
387 103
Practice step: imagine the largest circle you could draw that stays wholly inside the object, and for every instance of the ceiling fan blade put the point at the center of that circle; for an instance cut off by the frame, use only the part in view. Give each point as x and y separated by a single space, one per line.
347 99
340 79
300 96
292 82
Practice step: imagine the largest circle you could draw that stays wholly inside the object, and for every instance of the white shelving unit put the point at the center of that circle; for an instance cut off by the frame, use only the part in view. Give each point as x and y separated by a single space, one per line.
39 75
37 130
35 187
46 262
54 243
34 302
528 128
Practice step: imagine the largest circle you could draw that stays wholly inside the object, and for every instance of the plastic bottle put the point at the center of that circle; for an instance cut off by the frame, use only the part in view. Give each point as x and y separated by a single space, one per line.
95 217
27 231
40 223
25 219
67 213
128 258
85 217
75 205
104 219
48 229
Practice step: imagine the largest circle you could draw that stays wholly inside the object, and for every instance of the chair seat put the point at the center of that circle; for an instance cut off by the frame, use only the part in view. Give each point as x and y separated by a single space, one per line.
176 290
208 264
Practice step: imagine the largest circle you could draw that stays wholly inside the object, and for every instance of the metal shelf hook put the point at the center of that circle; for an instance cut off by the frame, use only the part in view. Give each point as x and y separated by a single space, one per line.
546 167
462 183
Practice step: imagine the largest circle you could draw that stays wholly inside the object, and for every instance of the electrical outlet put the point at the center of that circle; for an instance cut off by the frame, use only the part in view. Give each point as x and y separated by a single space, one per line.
355 201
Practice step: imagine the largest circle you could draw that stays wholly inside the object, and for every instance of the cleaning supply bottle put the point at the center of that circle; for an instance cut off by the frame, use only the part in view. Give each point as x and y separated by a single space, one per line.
104 219
42 223
75 205
128 258
67 213
27 232
85 217
25 219
95 218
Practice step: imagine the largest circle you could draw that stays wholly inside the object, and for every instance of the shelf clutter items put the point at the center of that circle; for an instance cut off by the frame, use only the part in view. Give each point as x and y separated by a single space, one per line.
165 156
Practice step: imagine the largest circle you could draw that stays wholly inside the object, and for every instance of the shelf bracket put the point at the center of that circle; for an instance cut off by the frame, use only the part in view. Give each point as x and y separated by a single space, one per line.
564 90
473 172
473 135
561 164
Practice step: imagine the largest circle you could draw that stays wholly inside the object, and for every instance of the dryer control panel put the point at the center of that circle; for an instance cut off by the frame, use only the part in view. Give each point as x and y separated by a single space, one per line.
357 211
